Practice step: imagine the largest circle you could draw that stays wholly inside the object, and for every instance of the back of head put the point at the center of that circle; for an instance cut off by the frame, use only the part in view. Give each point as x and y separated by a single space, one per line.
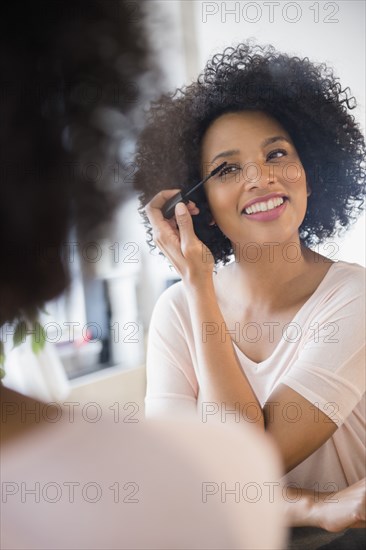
71 75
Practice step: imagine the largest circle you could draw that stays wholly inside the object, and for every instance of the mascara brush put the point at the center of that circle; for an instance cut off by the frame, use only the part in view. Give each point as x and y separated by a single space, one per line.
169 207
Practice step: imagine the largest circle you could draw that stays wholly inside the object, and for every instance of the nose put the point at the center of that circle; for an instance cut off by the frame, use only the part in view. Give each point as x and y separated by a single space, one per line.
258 176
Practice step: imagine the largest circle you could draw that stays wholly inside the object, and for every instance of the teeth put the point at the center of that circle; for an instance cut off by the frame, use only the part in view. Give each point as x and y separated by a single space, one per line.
264 206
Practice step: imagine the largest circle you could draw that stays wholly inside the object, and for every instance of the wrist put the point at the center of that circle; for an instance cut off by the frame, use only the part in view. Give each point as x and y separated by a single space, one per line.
319 511
314 514
198 282
300 513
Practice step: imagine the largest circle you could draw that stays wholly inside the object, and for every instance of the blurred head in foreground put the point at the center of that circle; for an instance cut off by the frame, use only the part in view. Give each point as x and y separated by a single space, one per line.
73 76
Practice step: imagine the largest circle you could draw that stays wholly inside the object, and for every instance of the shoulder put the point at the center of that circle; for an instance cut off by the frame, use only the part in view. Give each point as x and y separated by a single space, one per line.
172 296
340 297
172 303
348 277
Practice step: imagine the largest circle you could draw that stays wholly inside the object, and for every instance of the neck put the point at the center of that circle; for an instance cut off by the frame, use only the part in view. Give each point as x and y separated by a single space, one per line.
265 273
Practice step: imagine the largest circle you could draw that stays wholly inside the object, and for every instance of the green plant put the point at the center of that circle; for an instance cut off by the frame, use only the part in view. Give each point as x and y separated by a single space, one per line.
23 329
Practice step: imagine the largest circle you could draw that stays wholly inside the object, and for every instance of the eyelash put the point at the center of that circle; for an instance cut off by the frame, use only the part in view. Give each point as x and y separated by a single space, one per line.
278 151
228 169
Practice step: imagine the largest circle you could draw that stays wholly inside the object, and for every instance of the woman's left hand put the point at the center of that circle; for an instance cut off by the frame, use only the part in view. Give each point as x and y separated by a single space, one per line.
177 240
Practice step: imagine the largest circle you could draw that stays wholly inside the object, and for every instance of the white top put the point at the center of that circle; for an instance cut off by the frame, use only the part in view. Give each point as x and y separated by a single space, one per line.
321 356
137 485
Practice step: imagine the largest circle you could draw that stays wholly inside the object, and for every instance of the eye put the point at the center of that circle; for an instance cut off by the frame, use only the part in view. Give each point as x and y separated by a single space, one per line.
283 151
229 169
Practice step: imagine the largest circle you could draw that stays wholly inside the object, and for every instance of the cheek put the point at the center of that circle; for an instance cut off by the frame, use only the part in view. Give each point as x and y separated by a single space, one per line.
293 174
219 196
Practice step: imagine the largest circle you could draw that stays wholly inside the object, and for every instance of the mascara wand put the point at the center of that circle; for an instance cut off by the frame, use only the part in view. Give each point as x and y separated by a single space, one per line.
169 207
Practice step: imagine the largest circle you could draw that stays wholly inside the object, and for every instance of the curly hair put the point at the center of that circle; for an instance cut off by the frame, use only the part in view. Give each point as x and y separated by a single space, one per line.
305 97
72 74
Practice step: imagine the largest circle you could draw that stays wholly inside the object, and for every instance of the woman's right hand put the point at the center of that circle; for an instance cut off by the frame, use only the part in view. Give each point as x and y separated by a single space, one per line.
342 510
177 240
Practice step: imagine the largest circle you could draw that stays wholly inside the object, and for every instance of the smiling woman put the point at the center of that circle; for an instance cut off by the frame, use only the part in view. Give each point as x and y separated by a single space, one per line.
275 338
305 98
268 164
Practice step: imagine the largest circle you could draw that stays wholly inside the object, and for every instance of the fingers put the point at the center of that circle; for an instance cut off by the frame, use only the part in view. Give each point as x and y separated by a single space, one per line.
185 224
171 236
176 237
155 215
158 201
193 209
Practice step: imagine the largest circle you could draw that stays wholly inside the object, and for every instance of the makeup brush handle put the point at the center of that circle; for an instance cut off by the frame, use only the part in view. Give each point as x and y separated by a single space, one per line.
169 207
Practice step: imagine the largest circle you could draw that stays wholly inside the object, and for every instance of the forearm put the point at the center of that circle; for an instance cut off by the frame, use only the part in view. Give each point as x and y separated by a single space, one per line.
220 376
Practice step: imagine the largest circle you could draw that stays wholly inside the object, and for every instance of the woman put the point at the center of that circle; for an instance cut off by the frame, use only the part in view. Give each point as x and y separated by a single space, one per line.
275 338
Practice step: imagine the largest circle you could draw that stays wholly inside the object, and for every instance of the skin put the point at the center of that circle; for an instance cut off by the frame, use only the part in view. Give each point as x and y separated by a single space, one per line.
237 138
253 170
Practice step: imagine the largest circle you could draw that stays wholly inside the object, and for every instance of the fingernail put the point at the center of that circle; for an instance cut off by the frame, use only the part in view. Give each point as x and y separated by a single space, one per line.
180 208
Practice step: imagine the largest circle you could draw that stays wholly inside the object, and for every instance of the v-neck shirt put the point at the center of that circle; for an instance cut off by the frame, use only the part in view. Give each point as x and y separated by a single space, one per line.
321 356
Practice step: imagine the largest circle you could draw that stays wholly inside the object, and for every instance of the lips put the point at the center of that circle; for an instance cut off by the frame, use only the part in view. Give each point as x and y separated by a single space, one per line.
268 215
264 198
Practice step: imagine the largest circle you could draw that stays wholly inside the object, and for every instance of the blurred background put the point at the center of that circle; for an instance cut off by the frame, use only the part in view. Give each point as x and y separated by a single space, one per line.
97 331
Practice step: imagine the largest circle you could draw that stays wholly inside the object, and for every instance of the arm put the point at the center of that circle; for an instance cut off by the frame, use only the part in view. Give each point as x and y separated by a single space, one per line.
171 381
220 376
217 384
296 440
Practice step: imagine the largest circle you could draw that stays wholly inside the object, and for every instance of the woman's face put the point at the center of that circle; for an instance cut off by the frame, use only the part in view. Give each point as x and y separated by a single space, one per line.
261 161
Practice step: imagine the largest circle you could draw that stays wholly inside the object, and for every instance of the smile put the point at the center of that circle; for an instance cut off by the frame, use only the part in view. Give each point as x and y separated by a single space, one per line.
264 206
266 211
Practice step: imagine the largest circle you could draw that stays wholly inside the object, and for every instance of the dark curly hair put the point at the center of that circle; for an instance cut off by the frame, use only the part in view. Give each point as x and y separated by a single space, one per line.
72 76
306 98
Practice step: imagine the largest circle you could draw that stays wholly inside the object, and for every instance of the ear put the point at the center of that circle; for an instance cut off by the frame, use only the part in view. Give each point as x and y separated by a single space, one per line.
212 222
308 189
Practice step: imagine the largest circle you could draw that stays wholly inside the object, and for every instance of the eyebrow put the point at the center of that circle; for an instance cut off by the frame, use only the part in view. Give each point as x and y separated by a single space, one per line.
264 143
